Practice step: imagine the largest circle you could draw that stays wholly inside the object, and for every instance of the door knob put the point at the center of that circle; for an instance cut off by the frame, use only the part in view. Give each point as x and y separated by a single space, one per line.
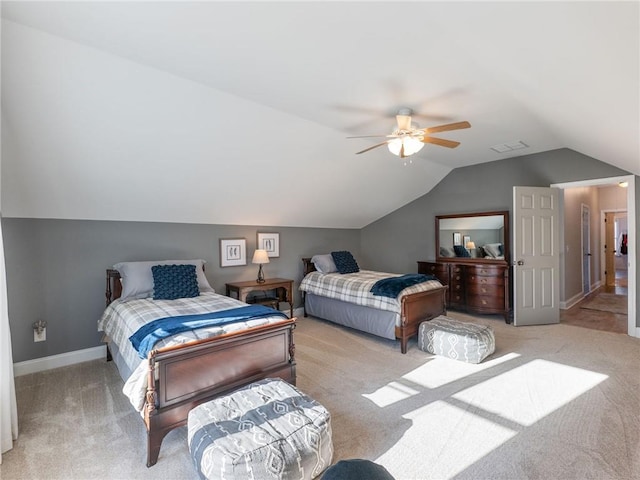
520 262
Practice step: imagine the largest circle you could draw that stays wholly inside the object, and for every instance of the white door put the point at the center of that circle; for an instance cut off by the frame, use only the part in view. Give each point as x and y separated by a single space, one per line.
586 249
536 256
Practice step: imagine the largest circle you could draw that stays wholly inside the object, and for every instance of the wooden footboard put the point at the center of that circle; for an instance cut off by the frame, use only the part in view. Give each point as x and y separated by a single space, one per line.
183 376
415 308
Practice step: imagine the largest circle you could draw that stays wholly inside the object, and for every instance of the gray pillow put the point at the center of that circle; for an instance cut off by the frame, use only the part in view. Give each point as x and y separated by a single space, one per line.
447 252
137 278
492 249
324 263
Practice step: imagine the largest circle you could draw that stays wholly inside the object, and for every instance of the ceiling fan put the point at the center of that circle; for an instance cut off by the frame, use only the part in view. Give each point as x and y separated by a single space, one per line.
408 139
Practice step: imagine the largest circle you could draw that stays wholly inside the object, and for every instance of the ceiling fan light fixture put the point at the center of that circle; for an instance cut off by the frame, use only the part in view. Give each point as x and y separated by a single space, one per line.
411 146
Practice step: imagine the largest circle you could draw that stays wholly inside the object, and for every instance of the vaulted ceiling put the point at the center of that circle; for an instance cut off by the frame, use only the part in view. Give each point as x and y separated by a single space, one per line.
238 112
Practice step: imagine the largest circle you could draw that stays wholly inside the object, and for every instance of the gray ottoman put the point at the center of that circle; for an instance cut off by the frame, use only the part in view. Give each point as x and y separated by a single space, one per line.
266 430
451 338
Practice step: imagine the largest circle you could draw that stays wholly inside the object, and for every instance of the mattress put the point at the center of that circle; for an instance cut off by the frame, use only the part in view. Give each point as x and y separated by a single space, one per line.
121 319
356 288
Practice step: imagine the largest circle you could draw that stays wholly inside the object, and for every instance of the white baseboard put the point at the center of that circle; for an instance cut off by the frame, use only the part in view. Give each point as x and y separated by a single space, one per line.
571 302
70 358
57 361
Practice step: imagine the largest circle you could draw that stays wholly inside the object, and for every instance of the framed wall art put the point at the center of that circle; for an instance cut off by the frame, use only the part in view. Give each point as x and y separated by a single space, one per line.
457 239
233 252
269 242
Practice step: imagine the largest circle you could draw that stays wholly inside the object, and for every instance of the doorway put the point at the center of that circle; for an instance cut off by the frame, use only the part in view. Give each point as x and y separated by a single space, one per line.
608 303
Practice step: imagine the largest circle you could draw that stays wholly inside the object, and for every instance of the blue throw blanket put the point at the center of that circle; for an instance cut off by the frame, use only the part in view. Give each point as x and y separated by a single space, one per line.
147 335
392 286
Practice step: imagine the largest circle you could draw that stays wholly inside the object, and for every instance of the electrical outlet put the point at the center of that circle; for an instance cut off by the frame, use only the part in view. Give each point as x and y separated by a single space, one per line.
40 337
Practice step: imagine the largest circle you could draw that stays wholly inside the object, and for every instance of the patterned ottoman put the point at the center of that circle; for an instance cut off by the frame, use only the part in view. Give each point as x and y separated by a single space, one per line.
266 430
451 338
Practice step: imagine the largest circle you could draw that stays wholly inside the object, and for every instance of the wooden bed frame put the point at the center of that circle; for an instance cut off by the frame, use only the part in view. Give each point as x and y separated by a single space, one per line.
184 376
415 308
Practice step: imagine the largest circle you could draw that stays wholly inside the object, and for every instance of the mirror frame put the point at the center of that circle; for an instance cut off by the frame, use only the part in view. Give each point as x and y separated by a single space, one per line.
507 250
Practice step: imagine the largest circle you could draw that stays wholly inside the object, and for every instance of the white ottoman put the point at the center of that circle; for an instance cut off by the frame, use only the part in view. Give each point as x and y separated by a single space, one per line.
451 338
266 430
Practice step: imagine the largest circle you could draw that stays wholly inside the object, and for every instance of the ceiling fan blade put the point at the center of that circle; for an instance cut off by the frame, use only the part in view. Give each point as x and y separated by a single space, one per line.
448 127
440 141
371 148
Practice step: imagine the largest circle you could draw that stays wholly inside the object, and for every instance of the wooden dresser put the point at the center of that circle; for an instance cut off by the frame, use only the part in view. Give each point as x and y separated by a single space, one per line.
473 287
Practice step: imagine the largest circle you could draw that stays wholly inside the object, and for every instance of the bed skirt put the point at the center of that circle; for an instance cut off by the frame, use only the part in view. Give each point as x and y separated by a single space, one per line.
366 319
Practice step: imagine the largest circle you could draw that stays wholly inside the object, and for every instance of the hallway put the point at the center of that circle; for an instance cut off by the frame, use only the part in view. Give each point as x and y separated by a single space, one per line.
598 319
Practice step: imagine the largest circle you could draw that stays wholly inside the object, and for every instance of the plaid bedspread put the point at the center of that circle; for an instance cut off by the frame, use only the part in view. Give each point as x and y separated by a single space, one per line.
356 288
121 319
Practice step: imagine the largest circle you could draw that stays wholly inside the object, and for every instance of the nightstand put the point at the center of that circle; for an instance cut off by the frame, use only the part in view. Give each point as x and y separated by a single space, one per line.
283 287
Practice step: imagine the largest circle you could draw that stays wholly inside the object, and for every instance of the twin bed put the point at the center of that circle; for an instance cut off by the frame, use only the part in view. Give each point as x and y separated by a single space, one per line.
347 300
191 368
184 370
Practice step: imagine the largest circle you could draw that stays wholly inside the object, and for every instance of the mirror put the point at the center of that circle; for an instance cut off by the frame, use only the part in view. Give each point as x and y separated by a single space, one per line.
475 237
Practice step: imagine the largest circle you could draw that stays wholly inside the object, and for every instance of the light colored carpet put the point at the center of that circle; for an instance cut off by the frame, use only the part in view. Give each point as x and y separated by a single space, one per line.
607 302
553 402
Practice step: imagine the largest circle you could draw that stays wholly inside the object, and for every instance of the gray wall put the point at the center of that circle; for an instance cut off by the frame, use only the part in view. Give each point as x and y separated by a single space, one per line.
397 241
56 268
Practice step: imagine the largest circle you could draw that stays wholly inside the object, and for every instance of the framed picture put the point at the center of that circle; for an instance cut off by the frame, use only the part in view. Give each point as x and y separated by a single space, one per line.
269 242
457 239
465 240
233 252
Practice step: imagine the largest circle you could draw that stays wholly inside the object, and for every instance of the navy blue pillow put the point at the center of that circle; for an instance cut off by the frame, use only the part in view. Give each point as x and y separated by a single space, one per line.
174 281
345 263
461 251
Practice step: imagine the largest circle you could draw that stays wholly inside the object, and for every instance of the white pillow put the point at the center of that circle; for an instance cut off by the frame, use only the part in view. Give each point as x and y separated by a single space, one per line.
324 263
137 279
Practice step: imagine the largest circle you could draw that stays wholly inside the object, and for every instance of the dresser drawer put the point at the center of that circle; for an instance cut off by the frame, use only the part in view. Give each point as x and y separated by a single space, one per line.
432 268
485 289
486 302
486 270
439 270
480 280
456 299
457 270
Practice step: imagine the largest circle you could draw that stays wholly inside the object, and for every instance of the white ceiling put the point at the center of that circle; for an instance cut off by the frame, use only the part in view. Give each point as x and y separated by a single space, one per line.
237 113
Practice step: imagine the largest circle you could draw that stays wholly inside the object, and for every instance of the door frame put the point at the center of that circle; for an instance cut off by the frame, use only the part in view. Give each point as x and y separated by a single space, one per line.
632 329
586 248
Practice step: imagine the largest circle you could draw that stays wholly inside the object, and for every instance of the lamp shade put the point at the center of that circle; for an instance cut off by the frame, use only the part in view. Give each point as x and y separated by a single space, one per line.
411 146
260 256
471 245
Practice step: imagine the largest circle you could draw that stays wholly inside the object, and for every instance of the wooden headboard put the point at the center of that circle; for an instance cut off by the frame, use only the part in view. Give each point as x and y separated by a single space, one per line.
114 286
308 266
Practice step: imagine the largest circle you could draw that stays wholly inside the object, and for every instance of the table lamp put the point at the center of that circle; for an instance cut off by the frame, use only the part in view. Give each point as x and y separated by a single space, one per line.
260 257
471 245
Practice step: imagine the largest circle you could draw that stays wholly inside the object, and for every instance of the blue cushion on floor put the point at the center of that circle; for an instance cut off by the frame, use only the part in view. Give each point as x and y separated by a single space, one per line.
356 469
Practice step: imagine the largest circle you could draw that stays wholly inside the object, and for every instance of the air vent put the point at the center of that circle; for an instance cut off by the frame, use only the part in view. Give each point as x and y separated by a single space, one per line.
508 147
